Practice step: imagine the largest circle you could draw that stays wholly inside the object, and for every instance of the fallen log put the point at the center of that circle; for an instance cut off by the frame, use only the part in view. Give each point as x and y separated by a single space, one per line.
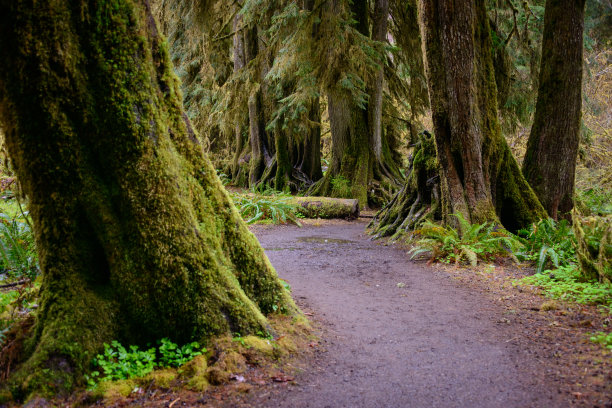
326 207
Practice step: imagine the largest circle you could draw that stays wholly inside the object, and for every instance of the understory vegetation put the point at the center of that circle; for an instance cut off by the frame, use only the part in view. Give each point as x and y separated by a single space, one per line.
266 206
300 109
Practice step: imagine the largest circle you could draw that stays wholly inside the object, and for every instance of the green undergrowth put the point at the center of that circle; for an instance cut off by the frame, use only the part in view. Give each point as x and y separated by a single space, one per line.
467 244
266 206
568 283
193 367
15 304
548 244
18 256
605 339
119 363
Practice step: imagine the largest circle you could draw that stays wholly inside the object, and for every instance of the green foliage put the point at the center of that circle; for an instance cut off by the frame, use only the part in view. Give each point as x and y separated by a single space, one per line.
267 205
18 257
223 177
548 243
568 283
341 187
119 363
6 320
171 355
475 241
605 339
595 201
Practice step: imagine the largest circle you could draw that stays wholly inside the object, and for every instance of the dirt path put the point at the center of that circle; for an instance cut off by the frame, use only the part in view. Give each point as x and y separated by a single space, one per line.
395 334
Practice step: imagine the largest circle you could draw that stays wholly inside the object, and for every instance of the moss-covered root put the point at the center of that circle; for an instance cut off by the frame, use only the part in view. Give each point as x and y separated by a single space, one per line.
419 197
137 238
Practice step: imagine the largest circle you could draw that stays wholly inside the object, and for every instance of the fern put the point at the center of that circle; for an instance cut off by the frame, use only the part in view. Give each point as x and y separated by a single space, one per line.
476 241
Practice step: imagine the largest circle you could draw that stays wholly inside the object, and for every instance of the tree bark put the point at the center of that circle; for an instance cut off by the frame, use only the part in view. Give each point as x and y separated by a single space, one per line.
240 148
479 178
137 238
552 149
379 33
362 161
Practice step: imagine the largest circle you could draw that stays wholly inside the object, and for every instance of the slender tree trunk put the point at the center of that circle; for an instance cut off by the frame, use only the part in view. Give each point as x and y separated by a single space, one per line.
479 177
379 33
260 155
239 63
137 238
310 161
552 149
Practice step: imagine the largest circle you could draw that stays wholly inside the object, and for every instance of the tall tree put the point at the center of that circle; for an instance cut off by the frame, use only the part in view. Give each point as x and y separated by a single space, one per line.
479 177
552 149
361 151
137 238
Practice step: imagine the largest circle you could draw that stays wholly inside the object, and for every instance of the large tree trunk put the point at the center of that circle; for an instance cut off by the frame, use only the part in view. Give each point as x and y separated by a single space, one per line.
550 160
137 238
351 164
479 177
362 160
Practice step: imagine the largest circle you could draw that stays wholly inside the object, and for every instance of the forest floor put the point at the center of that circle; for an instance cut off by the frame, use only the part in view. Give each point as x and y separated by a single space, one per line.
397 333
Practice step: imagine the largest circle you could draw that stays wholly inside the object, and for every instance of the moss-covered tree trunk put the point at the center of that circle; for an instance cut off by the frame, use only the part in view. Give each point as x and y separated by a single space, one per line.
362 161
239 169
137 238
479 177
552 149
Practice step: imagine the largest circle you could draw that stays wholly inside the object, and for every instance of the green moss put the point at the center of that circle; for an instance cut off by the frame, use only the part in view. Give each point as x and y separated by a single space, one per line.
229 362
114 390
160 378
137 238
258 344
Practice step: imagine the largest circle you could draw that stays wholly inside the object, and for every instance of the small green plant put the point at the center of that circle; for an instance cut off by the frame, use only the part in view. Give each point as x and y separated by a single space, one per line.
568 283
119 363
605 339
239 339
341 187
475 241
548 243
171 355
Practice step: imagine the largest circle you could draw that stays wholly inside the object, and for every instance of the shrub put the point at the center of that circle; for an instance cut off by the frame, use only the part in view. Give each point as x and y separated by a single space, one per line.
548 243
603 339
475 241
119 363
